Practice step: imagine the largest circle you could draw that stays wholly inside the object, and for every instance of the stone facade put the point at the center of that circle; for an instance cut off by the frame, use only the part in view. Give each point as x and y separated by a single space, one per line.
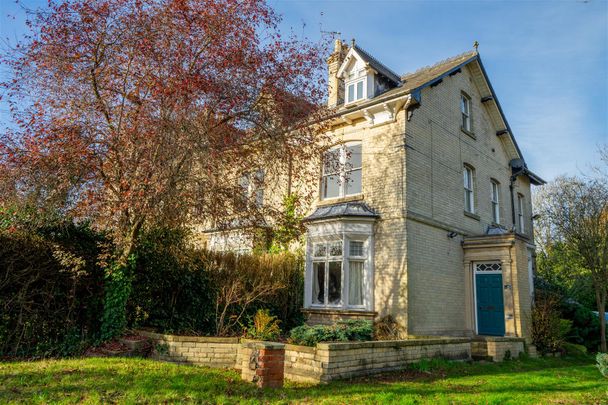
424 244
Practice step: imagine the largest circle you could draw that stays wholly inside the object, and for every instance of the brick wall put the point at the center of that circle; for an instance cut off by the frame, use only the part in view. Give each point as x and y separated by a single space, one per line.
262 363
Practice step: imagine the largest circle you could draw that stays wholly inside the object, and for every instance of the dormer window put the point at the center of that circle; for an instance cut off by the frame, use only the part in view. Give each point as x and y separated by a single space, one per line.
355 85
355 91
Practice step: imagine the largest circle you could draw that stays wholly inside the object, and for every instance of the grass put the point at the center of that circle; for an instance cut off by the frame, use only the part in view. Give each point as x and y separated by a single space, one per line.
123 380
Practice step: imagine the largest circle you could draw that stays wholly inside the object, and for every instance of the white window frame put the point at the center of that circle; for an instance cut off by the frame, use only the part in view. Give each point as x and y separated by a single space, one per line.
343 171
328 258
354 78
465 110
347 258
469 188
495 200
520 213
253 186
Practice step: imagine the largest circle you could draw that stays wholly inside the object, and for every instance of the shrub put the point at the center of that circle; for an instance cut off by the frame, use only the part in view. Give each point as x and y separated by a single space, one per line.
170 290
548 330
574 349
602 363
386 328
51 289
585 324
342 331
180 289
264 326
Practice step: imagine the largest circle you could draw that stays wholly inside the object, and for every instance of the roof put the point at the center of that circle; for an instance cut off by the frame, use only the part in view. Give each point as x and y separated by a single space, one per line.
428 73
347 209
413 83
376 64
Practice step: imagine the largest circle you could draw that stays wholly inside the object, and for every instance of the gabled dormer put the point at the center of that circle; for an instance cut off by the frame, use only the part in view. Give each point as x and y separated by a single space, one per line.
359 76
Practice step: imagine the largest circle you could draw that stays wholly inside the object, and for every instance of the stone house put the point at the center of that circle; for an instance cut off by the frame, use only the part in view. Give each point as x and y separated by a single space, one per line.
428 216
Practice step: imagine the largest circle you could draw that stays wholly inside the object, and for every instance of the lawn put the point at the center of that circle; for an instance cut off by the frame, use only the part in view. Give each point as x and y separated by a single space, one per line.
122 380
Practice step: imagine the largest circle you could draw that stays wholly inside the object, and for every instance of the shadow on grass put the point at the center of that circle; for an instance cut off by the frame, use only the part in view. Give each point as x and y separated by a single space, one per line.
130 380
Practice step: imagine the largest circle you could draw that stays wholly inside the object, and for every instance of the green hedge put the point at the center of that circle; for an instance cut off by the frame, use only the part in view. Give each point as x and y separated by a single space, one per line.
176 286
52 287
342 331
50 290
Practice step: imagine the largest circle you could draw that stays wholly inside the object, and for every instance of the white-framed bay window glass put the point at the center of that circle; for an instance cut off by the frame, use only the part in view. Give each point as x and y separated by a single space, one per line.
339 271
495 201
469 190
342 171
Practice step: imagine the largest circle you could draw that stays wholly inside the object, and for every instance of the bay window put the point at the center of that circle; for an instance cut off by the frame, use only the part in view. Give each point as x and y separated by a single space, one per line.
339 269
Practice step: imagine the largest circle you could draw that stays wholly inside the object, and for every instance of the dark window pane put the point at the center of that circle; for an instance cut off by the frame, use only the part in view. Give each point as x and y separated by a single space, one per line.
318 283
334 284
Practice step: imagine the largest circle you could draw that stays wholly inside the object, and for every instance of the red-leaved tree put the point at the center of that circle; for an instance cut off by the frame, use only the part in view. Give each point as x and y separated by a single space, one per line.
142 112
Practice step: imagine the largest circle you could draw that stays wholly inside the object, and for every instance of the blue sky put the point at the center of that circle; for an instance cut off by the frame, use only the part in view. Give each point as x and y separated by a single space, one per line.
547 60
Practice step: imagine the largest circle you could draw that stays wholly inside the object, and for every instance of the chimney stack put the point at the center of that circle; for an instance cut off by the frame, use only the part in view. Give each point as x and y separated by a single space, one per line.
336 86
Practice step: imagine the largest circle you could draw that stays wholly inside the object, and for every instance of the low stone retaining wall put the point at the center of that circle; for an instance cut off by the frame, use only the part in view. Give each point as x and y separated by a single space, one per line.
259 361
496 348
200 350
332 361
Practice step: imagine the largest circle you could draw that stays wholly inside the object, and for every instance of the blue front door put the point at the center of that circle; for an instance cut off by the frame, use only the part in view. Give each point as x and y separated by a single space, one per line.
490 306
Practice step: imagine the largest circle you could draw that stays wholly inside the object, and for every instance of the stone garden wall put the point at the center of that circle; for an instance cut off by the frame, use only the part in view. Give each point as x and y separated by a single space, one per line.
267 363
199 350
333 361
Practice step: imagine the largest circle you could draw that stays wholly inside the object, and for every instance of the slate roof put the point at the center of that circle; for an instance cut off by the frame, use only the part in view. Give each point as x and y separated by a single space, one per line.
377 65
496 230
347 209
428 73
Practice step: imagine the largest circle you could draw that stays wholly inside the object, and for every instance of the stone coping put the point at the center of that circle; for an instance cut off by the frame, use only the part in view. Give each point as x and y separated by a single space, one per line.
195 339
261 344
346 312
391 343
498 339
300 348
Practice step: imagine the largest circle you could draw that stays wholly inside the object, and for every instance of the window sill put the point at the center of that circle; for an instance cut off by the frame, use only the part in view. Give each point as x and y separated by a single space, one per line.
338 311
471 215
469 133
338 200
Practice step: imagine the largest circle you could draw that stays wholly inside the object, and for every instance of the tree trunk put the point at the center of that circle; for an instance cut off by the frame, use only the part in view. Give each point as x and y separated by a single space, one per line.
601 308
117 288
